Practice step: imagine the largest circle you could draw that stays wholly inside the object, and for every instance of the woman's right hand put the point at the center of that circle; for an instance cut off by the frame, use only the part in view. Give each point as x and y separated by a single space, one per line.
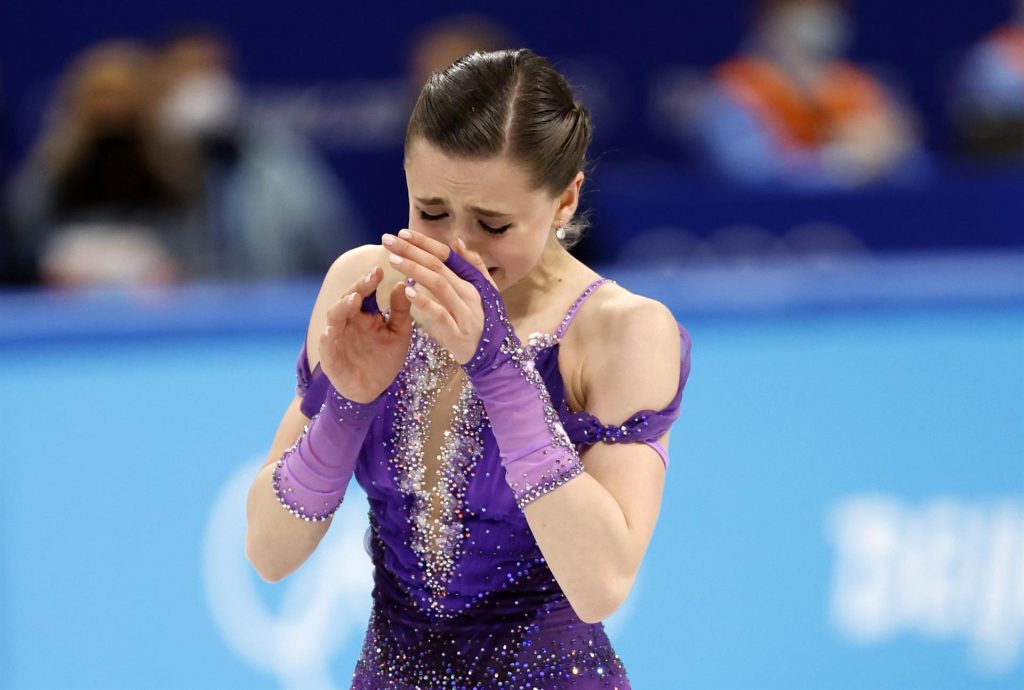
361 352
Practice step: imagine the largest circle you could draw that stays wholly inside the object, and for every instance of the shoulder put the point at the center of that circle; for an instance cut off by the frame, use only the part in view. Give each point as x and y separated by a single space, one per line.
344 271
615 308
353 264
637 338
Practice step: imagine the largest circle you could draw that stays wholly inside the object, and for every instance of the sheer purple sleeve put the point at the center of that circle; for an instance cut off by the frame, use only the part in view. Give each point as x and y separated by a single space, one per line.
535 451
311 477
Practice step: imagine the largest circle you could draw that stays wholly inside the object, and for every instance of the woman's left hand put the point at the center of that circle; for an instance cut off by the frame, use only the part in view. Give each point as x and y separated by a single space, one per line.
450 309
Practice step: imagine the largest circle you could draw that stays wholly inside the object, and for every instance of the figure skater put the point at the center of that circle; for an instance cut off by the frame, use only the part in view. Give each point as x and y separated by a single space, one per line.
504 407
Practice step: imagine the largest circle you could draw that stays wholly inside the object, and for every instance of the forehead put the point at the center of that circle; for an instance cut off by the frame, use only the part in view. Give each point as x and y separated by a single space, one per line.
490 182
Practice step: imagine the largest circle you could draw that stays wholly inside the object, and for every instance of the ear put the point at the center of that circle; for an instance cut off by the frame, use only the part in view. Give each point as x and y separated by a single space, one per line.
568 200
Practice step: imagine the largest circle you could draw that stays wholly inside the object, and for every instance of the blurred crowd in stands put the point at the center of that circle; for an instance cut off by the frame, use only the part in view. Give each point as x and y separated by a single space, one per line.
150 169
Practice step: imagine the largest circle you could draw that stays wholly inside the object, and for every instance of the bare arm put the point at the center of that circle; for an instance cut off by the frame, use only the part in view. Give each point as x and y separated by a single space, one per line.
276 542
595 529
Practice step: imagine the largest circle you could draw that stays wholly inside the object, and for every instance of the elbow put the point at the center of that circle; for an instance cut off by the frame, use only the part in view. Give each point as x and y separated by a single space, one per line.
262 567
597 612
601 607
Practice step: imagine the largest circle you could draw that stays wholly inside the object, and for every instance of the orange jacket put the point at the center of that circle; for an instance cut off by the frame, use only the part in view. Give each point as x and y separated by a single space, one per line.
800 119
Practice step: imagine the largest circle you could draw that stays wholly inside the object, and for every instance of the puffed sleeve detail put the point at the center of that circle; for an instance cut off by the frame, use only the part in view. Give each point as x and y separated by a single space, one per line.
643 426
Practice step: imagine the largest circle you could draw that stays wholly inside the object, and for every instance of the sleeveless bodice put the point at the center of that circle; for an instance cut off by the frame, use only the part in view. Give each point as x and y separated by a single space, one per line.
460 601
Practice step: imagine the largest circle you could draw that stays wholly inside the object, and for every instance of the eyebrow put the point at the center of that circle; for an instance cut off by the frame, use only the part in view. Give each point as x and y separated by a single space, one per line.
438 201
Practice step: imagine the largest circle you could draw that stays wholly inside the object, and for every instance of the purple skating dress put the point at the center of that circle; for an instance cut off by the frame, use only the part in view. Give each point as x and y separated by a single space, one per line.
468 601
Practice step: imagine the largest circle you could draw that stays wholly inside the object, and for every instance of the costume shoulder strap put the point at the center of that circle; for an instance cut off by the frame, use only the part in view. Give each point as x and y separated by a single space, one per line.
567 319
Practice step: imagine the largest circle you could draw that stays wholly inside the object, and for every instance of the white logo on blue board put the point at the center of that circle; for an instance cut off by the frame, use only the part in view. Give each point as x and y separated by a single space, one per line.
324 605
944 569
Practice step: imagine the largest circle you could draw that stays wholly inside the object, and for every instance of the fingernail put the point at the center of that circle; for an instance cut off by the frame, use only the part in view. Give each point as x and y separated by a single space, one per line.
350 297
410 293
404 234
368 277
394 258
387 238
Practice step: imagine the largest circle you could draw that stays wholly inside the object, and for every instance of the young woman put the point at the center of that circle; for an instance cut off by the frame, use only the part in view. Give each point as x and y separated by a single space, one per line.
504 407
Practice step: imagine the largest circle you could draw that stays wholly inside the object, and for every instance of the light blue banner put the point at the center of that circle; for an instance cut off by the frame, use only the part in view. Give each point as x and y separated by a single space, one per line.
844 505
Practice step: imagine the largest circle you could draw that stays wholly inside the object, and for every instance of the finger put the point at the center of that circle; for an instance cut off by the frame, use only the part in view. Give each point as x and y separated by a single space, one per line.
328 344
429 271
368 284
366 287
400 317
342 311
365 290
419 247
435 318
427 244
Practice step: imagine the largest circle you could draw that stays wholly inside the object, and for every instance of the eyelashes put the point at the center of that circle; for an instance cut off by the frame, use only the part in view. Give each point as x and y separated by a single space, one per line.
487 228
494 231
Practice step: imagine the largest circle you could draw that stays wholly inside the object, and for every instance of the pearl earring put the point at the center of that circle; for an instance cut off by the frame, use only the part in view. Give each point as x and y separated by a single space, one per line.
560 232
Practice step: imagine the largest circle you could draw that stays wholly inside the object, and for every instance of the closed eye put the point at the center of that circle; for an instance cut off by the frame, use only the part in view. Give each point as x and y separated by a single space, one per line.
426 216
494 231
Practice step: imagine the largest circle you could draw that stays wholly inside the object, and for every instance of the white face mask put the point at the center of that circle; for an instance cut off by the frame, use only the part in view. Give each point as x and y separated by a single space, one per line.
818 30
201 105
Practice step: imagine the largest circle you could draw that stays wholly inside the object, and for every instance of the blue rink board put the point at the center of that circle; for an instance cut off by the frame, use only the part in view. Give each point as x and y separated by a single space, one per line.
844 506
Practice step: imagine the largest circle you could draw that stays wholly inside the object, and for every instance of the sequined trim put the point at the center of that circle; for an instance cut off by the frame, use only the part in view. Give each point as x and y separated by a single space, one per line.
356 413
537 342
569 315
438 543
280 491
564 449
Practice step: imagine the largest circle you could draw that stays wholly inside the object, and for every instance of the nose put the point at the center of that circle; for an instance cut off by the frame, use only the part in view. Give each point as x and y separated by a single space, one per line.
460 231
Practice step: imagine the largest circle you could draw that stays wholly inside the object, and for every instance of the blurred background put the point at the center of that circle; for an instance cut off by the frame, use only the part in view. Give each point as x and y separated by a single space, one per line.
829 195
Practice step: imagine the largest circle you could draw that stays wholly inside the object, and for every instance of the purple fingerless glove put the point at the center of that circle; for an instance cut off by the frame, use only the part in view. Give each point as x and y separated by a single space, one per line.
311 477
536 453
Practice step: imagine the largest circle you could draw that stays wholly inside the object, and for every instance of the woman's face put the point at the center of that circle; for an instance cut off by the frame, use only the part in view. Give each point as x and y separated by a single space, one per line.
488 203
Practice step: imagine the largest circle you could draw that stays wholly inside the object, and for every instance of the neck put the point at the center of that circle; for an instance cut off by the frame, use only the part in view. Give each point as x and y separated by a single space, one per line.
522 297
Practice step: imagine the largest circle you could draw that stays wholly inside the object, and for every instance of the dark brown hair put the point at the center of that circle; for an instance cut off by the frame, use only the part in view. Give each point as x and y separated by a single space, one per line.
487 104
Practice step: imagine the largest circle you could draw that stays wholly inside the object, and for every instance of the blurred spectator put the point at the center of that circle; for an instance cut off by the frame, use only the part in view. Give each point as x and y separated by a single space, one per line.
988 94
792 111
440 44
9 272
100 198
272 206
